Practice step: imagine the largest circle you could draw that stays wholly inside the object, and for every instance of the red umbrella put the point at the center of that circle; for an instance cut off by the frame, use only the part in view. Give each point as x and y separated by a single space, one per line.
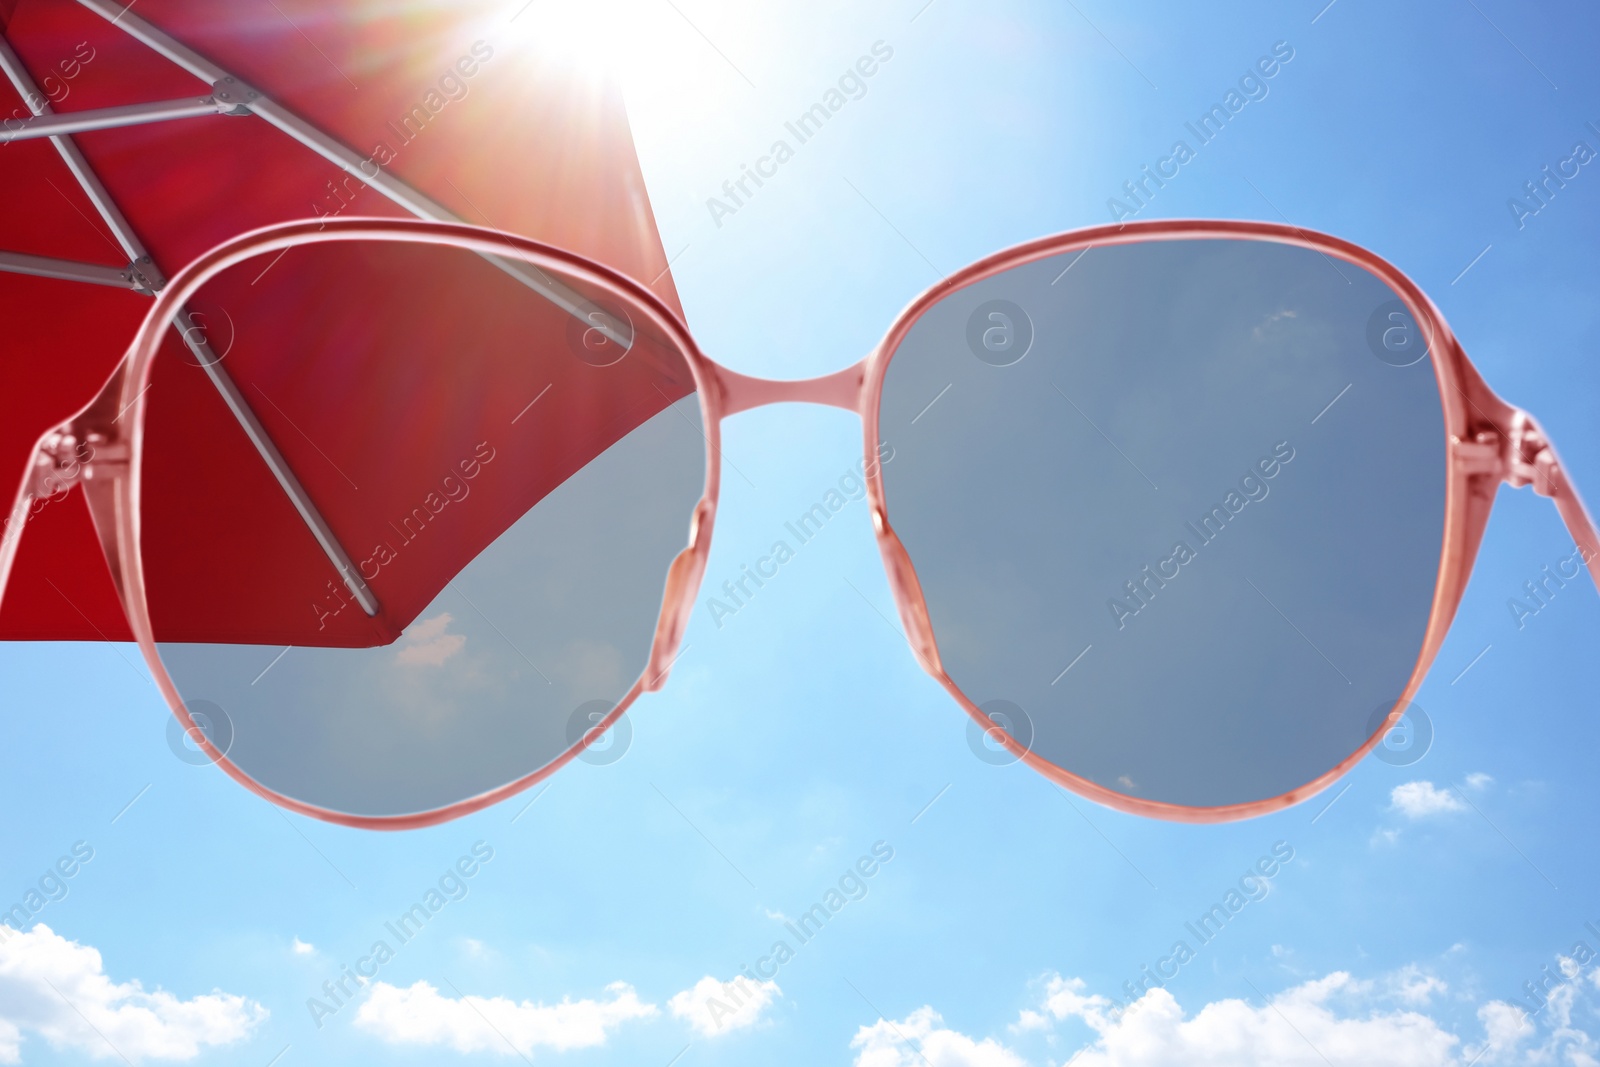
179 125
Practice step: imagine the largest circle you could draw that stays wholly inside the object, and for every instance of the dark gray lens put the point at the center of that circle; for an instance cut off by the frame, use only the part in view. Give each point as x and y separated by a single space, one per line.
1193 528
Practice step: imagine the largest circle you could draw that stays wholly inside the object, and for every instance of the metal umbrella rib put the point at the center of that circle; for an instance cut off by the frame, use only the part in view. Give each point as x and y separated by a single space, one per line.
143 268
402 194
109 118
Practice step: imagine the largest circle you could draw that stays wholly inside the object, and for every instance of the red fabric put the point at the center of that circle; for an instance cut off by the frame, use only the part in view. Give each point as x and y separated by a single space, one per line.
392 378
531 147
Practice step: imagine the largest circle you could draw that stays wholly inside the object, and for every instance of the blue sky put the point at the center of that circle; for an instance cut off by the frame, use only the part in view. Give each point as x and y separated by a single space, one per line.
800 733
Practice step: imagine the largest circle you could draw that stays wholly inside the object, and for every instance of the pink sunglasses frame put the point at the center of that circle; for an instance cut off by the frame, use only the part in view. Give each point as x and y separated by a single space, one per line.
1489 442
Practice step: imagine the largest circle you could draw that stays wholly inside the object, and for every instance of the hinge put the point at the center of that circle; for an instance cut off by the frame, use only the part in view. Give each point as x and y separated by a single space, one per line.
1518 456
235 92
146 276
65 459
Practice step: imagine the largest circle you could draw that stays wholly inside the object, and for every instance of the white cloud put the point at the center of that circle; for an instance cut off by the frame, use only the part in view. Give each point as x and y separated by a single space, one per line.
302 948
1413 985
1479 780
1334 1019
1064 998
1418 800
1508 1026
1297 1028
418 1015
1505 1026
59 990
920 1039
714 1008
427 643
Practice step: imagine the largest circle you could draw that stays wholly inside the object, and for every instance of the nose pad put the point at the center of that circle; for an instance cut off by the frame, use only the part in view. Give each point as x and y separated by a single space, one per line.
683 579
907 596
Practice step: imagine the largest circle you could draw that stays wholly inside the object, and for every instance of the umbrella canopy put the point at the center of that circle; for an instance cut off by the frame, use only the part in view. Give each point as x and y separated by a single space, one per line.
452 99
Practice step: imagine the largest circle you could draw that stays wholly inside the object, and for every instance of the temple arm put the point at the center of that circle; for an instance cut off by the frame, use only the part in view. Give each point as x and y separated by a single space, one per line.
1551 480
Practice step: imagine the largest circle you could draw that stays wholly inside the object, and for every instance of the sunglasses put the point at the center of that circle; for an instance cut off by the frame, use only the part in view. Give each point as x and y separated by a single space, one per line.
1179 512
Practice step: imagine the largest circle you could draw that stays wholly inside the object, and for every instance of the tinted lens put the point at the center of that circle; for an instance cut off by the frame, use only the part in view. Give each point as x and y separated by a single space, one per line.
1181 502
510 481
